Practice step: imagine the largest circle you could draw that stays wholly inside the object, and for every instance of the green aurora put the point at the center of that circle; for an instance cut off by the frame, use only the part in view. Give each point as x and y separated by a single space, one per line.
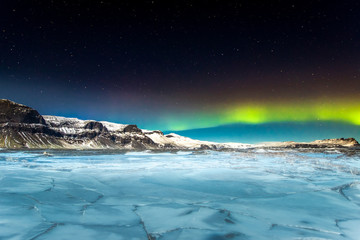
260 113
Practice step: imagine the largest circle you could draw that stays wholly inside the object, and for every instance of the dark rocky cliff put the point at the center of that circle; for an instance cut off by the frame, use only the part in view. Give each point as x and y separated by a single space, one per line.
11 112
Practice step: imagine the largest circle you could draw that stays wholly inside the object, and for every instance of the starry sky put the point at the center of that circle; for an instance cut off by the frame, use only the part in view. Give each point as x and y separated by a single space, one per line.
184 65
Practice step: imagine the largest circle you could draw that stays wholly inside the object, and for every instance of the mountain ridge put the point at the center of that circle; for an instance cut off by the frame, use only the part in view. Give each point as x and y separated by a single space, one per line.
22 127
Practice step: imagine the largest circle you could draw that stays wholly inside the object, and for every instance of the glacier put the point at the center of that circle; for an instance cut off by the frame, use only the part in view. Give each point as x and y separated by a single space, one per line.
243 194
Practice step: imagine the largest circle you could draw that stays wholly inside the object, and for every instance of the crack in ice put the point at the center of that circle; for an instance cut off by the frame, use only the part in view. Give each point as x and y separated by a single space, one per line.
85 207
340 189
54 225
52 186
274 225
149 236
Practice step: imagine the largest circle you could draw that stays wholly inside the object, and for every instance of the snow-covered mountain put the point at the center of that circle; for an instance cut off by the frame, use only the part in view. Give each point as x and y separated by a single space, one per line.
24 127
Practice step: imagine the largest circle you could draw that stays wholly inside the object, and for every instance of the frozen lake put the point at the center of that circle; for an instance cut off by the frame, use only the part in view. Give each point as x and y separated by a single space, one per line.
251 194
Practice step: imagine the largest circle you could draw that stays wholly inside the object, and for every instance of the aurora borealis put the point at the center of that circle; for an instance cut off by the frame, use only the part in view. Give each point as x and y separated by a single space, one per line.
184 65
271 113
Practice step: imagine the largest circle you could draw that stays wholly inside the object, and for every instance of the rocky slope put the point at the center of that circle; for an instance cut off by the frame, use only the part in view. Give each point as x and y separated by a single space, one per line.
24 127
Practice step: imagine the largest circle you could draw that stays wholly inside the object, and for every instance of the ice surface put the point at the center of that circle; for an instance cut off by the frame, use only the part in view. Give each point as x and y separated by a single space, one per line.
245 194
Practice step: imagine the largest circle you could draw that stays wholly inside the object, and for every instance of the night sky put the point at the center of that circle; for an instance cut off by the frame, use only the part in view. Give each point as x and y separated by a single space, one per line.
180 65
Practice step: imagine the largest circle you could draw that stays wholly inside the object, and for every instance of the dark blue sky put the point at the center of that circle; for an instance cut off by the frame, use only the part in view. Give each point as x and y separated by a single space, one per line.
168 64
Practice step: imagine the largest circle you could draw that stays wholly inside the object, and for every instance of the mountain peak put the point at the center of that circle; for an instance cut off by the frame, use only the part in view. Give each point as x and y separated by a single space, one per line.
11 112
